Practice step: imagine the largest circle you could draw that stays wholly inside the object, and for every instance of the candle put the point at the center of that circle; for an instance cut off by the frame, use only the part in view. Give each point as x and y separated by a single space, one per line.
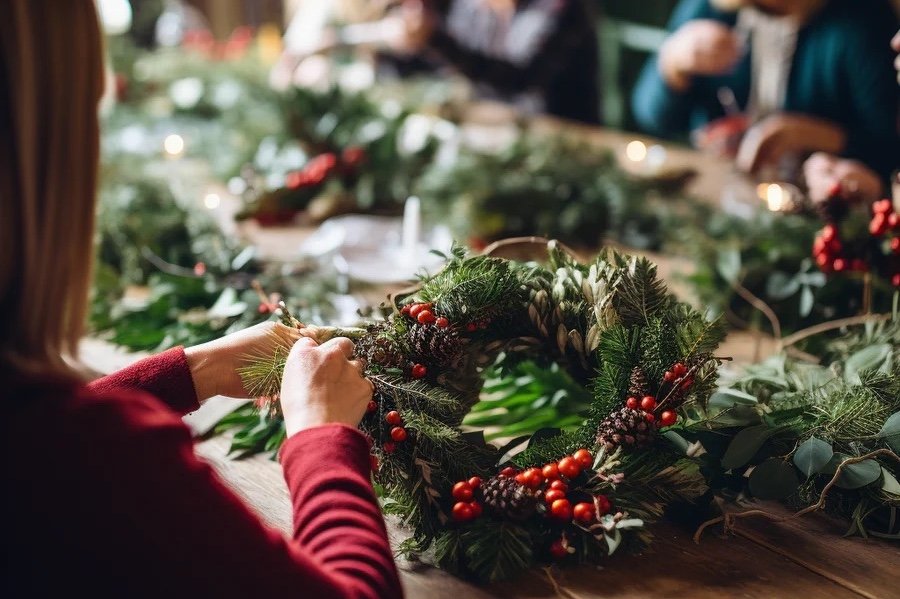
411 228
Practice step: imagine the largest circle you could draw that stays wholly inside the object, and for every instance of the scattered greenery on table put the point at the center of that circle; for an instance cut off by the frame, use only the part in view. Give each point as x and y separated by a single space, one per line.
783 428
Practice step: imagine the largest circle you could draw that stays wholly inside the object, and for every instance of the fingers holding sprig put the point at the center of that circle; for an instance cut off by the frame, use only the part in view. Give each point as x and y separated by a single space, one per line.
323 385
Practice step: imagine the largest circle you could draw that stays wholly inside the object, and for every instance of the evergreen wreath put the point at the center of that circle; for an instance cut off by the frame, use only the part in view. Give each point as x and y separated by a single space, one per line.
485 512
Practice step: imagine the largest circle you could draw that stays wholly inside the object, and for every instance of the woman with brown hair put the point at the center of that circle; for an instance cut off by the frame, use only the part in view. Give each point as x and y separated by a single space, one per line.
104 493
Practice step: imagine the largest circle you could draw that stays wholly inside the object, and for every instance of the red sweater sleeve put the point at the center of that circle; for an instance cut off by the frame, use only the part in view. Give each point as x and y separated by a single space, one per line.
166 376
195 534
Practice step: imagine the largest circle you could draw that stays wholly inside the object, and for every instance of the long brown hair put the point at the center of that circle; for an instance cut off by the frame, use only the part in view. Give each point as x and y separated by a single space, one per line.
51 78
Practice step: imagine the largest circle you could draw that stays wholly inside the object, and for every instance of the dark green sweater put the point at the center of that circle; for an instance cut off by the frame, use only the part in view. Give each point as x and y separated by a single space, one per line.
842 71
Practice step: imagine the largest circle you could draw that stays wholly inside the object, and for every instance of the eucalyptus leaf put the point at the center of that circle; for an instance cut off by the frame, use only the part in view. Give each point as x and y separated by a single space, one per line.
613 540
773 479
889 482
859 474
781 285
873 357
890 432
745 445
679 442
806 301
728 264
812 456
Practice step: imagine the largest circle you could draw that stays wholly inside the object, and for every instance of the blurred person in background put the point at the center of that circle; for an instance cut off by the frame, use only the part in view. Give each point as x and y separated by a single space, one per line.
826 174
805 75
539 55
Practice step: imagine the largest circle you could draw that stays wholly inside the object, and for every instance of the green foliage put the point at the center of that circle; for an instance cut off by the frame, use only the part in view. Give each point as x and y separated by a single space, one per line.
792 421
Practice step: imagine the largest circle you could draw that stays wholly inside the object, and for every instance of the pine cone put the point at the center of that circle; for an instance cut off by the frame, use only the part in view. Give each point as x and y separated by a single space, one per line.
627 428
380 350
505 498
638 386
439 347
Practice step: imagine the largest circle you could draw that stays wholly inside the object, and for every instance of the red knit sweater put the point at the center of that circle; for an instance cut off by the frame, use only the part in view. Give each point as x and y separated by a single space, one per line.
105 496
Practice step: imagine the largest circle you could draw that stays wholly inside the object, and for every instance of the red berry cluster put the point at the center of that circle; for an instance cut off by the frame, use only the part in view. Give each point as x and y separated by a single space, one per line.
830 255
466 507
647 404
884 221
395 421
423 313
314 172
550 481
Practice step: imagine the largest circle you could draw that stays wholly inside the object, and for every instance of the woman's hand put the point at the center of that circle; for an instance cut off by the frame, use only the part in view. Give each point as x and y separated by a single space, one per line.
214 364
823 172
699 47
774 136
322 385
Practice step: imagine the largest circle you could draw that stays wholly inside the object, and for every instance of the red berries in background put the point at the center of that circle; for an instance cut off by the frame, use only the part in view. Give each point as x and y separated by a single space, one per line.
569 467
462 491
398 434
419 371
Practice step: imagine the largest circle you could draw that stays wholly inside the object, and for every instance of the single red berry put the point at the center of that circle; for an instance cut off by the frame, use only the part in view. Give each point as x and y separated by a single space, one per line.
398 434
389 447
559 485
558 549
553 494
649 417
668 418
371 407
474 482
414 309
632 403
534 478
442 322
687 382
200 269
476 509
895 280
561 509
569 467
584 457
419 371
893 220
583 512
601 502
426 317
462 491
522 478
471 327
405 309
509 472
668 377
550 471
839 264
824 261
859 265
679 369
829 233
373 462
393 417
648 403
895 245
878 224
835 190
462 512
